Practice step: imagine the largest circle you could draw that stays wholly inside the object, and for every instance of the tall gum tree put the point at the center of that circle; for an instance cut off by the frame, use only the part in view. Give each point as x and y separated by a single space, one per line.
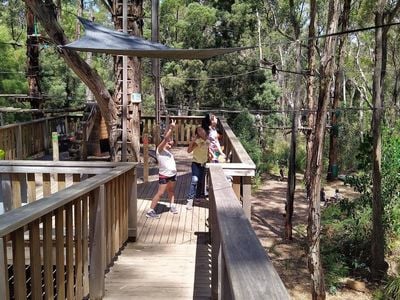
33 66
45 13
291 186
383 15
316 143
338 94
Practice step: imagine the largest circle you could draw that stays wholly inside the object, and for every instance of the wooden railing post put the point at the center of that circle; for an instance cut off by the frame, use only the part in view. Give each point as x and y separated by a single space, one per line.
225 287
66 124
97 244
145 157
46 136
215 246
6 191
132 206
3 271
56 154
246 196
84 141
19 142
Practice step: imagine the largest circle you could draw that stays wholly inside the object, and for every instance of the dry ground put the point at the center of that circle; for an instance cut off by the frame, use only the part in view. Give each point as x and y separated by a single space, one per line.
289 257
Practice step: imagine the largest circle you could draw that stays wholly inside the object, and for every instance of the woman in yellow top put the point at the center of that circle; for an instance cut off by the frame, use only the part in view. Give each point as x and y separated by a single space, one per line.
199 145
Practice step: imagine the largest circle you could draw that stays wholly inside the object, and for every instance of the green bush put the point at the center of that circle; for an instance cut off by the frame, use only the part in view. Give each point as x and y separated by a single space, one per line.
345 244
392 289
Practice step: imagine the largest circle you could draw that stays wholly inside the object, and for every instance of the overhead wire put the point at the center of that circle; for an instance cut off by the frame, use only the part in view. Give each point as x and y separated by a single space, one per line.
272 111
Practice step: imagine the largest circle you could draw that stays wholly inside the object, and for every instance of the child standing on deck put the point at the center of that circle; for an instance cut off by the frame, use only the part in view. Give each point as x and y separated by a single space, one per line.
199 146
167 173
215 146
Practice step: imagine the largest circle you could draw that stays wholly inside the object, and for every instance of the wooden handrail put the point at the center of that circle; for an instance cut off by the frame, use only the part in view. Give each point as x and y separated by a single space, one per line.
232 144
22 140
23 215
83 225
241 268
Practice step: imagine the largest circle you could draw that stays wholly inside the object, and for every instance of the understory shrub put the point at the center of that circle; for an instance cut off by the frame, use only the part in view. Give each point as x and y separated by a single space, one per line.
347 225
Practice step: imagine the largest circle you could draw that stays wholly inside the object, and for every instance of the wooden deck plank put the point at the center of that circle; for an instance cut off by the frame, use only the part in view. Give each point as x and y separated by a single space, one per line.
160 272
170 258
181 215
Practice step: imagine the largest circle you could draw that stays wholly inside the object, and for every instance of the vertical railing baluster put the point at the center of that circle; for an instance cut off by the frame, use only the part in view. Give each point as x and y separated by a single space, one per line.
18 247
85 244
132 206
78 248
35 261
97 244
4 287
60 267
69 224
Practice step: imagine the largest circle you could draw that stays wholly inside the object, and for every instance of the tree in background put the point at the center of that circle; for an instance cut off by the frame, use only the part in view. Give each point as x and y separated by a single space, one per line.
316 150
132 116
382 16
338 94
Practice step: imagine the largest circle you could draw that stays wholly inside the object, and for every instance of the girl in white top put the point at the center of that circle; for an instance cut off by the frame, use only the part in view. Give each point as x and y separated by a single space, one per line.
167 173
213 136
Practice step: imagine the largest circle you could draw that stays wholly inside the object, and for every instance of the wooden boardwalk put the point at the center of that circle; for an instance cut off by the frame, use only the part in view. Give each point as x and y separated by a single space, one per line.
171 257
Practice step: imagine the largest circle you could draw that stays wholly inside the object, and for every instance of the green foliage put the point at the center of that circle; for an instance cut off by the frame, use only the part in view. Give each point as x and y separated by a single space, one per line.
392 289
345 245
362 182
347 225
243 126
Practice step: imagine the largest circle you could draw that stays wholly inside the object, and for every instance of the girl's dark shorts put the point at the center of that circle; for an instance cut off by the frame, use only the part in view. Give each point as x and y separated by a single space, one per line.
165 180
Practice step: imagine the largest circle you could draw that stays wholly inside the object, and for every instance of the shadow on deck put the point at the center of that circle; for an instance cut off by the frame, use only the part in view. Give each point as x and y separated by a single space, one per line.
172 255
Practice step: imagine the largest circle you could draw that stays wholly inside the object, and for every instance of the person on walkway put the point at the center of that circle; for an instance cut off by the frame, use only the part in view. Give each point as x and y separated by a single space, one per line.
199 145
337 196
167 173
215 147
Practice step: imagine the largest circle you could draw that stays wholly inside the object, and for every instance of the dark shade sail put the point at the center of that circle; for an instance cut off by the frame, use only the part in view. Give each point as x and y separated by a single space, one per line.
104 40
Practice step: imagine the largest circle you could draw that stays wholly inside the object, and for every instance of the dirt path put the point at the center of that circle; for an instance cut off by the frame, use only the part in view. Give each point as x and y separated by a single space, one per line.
289 257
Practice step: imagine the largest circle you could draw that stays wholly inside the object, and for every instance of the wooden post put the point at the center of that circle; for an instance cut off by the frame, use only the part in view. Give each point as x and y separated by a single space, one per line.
246 196
56 153
156 134
6 191
18 252
145 157
84 142
215 247
46 136
132 206
19 142
236 186
3 271
225 291
97 245
66 125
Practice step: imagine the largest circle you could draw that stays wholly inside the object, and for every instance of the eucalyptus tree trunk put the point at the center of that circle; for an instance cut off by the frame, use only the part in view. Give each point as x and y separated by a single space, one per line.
310 86
316 151
338 96
378 265
132 116
33 65
291 186
46 15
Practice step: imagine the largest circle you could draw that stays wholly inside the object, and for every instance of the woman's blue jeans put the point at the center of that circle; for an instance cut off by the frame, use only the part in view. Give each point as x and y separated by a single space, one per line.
197 183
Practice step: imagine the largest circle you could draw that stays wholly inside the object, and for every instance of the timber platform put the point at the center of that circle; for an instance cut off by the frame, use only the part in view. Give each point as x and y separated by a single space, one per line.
171 256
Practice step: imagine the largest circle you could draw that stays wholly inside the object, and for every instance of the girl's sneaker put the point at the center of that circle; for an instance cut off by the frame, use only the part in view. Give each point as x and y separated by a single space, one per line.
189 204
173 209
152 214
